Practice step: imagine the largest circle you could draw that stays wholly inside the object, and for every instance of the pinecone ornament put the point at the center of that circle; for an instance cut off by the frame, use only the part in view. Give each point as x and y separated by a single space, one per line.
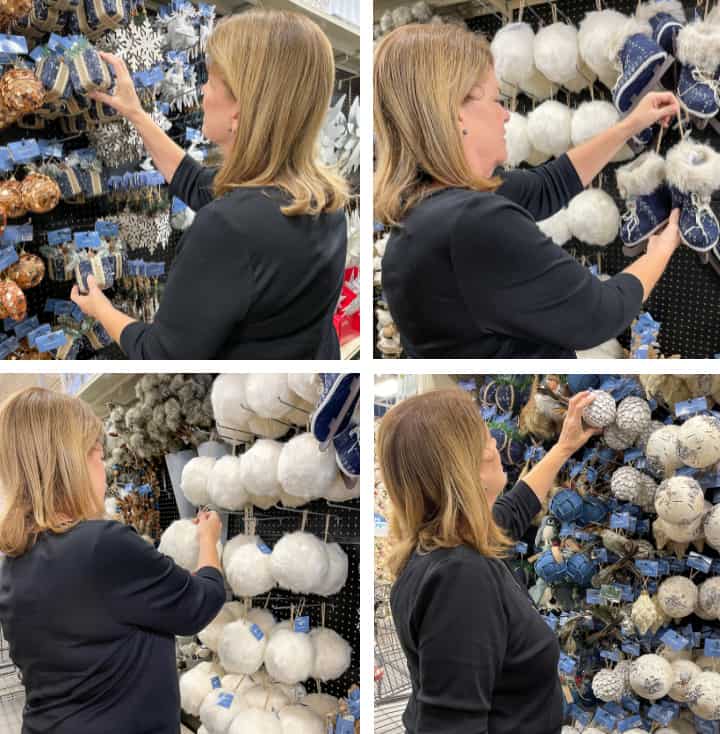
680 500
617 439
699 441
28 271
644 613
21 91
651 677
678 597
601 412
608 685
633 415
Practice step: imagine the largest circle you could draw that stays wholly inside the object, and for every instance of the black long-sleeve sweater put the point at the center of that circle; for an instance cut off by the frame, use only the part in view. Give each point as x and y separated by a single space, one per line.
469 274
247 281
481 658
90 617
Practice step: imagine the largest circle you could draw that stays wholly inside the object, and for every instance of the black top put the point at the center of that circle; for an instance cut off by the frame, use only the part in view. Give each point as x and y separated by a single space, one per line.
481 658
90 617
247 282
469 274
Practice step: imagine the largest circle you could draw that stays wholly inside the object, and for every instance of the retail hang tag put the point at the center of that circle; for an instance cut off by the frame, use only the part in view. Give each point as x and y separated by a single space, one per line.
611 593
614 708
26 326
688 408
648 568
33 335
699 562
660 714
712 647
24 151
59 236
605 719
631 722
593 597
302 624
613 655
521 548
344 726
215 681
631 455
664 567
702 726
567 665
620 521
600 555
107 229
256 632
6 161
13 45
144 489
51 341
8 256
8 346
551 621
630 702
87 240
631 648
567 530
263 548
225 700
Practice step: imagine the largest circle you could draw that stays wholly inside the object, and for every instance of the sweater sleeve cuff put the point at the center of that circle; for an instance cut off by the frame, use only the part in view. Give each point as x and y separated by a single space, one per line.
131 338
570 175
632 289
208 572
187 166
527 497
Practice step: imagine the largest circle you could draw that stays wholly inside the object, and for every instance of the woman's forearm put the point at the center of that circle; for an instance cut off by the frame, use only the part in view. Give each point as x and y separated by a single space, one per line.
541 477
208 555
591 157
113 320
648 269
165 152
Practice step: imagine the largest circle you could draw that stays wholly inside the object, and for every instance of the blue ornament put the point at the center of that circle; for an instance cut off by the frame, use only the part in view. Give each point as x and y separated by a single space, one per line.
593 510
580 570
548 569
566 505
578 383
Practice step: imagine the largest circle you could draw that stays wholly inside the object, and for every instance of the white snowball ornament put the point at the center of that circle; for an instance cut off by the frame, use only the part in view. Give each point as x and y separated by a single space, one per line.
225 486
517 143
218 710
194 480
680 500
237 683
322 704
709 597
549 128
299 562
233 544
180 542
704 696
290 656
539 88
569 730
699 441
267 698
712 527
304 470
633 415
677 596
267 427
300 719
259 465
195 686
339 492
242 647
683 673
592 118
662 449
594 36
556 228
257 722
651 677
601 412
556 52
337 571
332 654
263 618
512 51
268 395
307 386
593 217
608 685
249 572
229 405
210 636
626 483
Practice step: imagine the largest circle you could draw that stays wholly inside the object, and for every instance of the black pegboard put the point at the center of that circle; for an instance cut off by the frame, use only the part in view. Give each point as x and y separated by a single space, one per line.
686 301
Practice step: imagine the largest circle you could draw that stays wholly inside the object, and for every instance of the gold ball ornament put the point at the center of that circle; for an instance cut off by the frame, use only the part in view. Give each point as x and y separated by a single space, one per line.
12 301
40 194
21 91
28 271
11 200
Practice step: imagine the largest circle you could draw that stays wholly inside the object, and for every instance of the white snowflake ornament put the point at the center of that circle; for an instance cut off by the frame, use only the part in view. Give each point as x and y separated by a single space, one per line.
678 597
683 671
704 696
651 677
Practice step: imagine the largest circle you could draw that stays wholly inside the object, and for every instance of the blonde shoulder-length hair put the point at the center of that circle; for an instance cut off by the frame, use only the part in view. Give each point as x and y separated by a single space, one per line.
44 478
422 76
280 68
430 450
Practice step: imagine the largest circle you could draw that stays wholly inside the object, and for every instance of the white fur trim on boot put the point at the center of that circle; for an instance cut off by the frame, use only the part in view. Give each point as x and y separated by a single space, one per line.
593 217
517 143
556 228
549 127
642 176
693 167
652 8
631 27
698 44
597 29
556 52
512 50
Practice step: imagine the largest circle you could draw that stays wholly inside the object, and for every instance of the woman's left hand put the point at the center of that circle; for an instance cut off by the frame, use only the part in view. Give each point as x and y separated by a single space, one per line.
654 107
574 433
92 303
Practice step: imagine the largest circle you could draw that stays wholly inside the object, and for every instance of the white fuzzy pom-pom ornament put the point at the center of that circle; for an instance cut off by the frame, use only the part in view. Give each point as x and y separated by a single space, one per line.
704 696
268 395
307 386
180 542
225 485
299 562
556 52
267 698
661 449
683 673
608 685
257 722
194 480
594 36
339 492
210 636
633 415
549 128
290 656
680 500
229 404
259 466
218 710
699 441
556 228
242 647
512 51
593 217
300 719
233 544
337 571
263 618
709 597
322 704
332 654
249 572
195 686
304 470
601 412
517 142
569 730
267 427
237 682
651 676
712 527
678 596
626 483
590 119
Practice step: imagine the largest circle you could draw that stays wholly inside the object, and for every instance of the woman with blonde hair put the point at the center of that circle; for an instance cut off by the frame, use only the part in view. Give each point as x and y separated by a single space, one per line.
89 609
259 272
481 658
466 271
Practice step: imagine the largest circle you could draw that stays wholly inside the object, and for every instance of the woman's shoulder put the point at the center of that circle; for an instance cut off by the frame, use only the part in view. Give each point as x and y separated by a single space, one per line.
459 561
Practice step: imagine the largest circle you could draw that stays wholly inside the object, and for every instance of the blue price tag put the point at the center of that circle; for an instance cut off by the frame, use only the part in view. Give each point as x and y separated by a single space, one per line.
699 562
610 655
664 567
592 596
600 555
302 624
87 240
215 681
631 722
631 455
603 718
263 548
25 327
631 704
660 714
614 708
712 648
33 335
107 229
620 521
567 665
59 236
344 726
521 548
257 632
8 257
24 151
48 342
225 700
648 568
631 648
705 727
551 621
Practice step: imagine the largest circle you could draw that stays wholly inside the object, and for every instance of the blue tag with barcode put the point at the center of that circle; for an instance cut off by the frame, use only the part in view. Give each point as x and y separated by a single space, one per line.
225 700
215 681
257 632
263 548
302 624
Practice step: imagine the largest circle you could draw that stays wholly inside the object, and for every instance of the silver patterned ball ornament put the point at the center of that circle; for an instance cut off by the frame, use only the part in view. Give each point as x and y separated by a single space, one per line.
616 439
601 412
651 677
608 685
699 441
644 435
633 415
626 483
709 598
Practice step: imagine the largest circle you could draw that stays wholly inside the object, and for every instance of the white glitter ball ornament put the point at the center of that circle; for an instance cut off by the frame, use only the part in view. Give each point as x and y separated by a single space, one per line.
242 647
300 720
712 528
680 500
304 470
194 479
257 722
704 696
290 656
608 685
683 671
601 412
633 415
626 483
709 597
249 572
299 562
699 441
651 677
677 596
662 449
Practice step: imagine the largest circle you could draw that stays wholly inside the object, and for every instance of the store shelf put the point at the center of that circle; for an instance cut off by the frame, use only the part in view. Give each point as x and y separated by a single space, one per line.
101 390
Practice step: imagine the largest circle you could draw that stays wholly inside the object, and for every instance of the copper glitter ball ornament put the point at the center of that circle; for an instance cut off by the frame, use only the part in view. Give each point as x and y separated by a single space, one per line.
21 91
11 199
40 194
12 301
28 271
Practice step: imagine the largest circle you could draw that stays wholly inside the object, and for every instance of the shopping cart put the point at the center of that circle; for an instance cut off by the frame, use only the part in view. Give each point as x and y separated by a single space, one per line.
392 680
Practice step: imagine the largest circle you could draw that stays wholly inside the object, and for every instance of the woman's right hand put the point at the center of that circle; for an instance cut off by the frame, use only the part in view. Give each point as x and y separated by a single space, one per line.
125 99
667 241
209 527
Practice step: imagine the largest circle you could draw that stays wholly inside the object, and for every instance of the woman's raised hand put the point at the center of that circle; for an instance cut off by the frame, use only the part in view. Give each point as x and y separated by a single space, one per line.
654 107
125 99
209 526
574 433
